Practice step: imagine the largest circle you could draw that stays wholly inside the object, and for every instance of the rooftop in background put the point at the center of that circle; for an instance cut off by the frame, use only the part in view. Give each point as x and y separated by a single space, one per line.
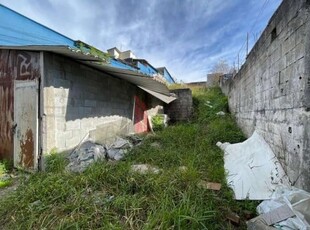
21 31
142 65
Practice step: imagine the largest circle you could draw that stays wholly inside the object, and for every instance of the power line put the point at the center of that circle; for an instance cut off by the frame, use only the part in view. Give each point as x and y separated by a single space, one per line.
252 28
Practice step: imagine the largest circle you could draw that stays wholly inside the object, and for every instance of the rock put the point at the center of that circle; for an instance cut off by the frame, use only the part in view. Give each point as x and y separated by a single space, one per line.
35 203
155 145
145 168
221 113
183 168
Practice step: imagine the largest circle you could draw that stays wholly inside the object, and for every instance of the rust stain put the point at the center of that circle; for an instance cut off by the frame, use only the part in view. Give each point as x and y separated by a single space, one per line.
14 65
27 150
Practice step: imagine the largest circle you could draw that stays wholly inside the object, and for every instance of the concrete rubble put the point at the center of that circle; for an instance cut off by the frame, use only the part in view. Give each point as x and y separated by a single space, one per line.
288 208
89 152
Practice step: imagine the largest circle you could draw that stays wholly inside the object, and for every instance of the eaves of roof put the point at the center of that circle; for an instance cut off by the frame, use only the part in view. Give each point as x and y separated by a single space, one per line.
148 84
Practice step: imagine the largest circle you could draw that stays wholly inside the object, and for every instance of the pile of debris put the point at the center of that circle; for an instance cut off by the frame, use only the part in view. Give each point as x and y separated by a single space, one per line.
255 173
89 152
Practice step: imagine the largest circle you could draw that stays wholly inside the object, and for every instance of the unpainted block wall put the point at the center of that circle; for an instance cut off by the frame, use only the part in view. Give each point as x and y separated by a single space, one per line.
271 91
79 100
181 109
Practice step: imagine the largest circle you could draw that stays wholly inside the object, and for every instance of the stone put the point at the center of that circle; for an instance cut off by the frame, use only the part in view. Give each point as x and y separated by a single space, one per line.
155 145
221 113
183 168
144 168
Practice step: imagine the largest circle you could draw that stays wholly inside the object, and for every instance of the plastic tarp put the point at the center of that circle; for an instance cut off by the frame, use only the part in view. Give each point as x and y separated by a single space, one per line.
297 200
253 170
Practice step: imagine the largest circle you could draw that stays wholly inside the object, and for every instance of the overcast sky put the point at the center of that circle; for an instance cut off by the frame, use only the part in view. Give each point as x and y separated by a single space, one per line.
186 36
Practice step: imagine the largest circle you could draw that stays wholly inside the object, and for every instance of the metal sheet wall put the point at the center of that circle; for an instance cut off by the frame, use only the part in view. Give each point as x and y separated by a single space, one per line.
14 65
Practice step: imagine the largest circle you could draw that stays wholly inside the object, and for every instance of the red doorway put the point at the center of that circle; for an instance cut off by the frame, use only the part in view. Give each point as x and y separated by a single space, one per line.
140 116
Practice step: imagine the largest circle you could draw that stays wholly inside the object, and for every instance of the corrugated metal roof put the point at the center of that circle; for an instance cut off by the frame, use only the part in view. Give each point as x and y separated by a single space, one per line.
133 77
63 50
147 84
162 97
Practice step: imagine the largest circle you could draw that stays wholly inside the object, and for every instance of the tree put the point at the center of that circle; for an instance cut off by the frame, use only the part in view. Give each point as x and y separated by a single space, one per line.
221 66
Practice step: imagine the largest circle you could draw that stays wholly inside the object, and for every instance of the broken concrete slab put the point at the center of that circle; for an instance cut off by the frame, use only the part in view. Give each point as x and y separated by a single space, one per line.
296 205
254 172
282 213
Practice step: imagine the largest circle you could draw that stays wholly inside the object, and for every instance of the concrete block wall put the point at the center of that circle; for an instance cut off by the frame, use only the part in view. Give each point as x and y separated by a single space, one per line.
270 93
181 109
79 100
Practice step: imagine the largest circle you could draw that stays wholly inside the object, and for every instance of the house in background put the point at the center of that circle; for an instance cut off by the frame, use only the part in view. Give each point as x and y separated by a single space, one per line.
141 65
55 92
164 72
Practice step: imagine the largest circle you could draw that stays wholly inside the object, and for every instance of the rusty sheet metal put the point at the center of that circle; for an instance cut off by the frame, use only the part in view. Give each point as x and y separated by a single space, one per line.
26 121
14 65
140 116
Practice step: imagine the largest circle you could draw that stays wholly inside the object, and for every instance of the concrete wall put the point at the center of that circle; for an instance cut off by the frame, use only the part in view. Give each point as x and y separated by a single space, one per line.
270 93
182 108
213 79
79 100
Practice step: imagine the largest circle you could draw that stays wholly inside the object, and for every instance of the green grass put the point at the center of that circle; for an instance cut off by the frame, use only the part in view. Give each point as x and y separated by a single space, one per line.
4 167
111 196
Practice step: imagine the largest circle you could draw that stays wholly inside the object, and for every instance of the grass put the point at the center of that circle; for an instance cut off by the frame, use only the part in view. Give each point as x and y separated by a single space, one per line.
111 196
4 167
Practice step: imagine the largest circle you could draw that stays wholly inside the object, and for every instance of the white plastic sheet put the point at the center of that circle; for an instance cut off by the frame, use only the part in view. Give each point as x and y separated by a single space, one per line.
253 170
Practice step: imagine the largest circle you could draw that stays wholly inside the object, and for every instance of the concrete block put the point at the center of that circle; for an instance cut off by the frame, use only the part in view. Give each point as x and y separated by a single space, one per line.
90 103
72 125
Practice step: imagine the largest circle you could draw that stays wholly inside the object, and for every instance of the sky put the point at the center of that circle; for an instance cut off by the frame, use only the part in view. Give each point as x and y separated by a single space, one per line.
188 37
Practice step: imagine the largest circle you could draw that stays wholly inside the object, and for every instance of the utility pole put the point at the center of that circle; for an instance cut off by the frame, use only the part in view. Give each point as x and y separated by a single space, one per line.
247 44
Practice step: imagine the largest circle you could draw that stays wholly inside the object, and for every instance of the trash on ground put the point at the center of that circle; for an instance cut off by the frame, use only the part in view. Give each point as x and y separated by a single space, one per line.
253 170
209 185
233 217
89 152
221 113
288 208
144 168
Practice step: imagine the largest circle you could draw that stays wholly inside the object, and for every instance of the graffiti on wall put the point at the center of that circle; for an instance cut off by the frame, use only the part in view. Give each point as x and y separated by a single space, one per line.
14 65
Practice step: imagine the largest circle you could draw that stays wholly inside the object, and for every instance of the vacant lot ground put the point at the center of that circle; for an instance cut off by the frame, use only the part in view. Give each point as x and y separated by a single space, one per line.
111 196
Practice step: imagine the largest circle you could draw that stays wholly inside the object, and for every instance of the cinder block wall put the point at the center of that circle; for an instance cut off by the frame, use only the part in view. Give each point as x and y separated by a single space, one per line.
181 109
271 91
79 100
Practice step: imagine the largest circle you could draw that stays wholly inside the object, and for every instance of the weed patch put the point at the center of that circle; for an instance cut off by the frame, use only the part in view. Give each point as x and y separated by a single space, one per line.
113 196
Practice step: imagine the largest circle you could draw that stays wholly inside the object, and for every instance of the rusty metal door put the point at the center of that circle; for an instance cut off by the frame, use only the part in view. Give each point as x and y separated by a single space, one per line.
140 116
26 125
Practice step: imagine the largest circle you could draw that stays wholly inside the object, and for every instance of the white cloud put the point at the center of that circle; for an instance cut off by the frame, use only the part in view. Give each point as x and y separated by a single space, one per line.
187 36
